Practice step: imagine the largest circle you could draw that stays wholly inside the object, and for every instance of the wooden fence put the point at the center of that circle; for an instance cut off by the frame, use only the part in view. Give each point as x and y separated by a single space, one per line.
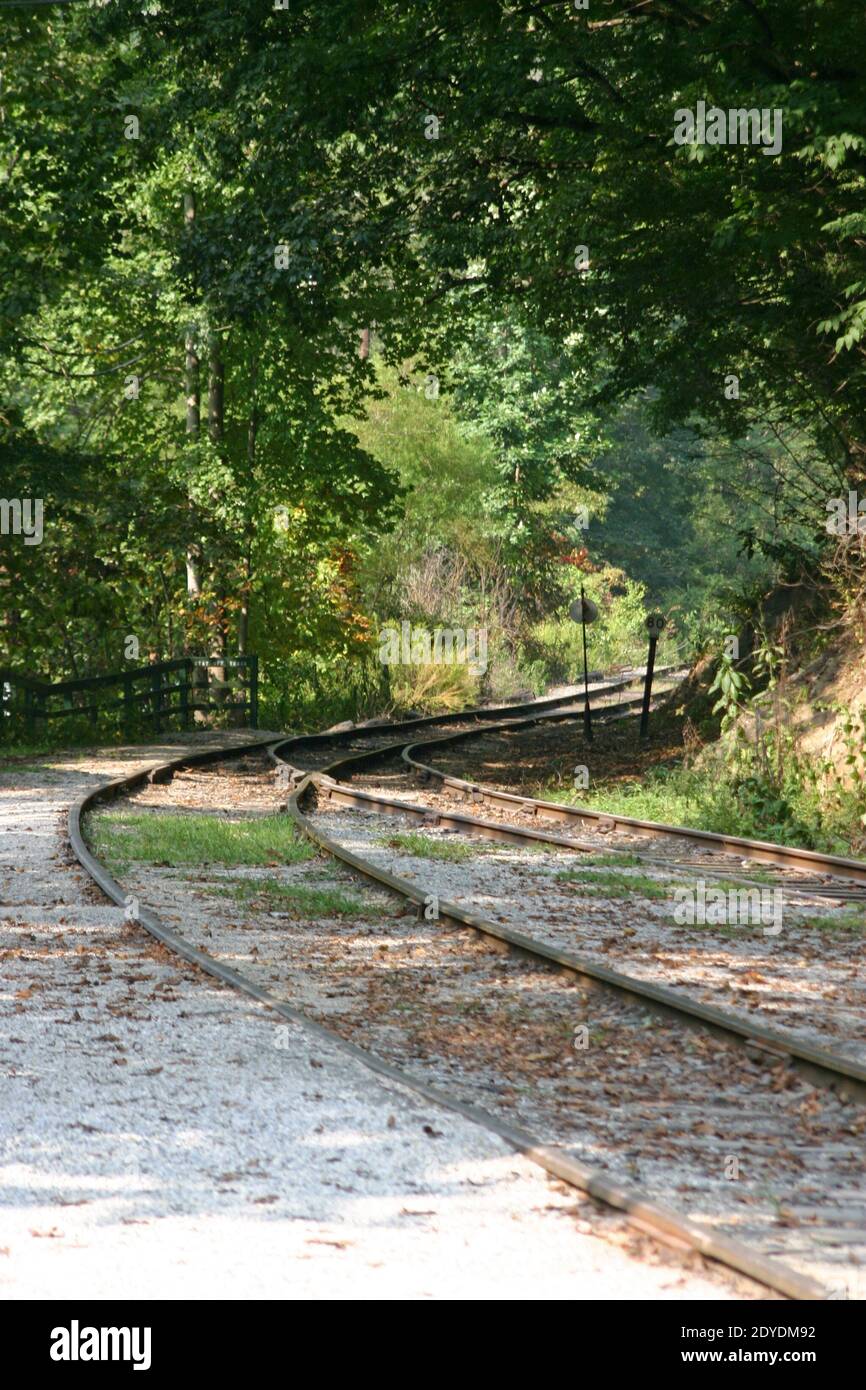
167 695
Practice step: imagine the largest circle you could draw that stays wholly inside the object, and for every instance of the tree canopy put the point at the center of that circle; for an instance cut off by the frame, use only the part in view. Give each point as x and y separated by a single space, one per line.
209 212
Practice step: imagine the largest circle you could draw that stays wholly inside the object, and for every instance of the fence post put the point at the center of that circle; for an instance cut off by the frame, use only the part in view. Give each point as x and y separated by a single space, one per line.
254 692
156 700
127 707
186 681
29 718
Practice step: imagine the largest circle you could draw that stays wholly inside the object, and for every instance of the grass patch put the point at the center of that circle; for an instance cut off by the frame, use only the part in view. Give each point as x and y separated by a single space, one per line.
625 860
662 795
313 902
610 884
619 885
713 798
852 919
21 752
452 851
125 836
14 769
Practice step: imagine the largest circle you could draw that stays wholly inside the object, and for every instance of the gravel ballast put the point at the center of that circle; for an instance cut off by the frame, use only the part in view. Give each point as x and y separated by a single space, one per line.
162 1137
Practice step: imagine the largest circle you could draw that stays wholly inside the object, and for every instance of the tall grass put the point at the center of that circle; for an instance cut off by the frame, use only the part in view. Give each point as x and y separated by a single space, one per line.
714 796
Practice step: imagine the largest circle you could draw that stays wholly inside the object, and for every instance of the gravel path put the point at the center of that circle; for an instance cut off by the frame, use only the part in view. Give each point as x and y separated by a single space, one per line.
162 1137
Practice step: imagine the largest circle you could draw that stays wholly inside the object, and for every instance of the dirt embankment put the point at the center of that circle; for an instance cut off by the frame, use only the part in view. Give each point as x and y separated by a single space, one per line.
822 696
822 685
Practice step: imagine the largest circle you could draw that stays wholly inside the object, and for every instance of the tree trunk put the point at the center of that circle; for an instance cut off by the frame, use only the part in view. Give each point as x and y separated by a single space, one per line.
194 555
193 416
193 551
216 394
215 408
252 432
244 614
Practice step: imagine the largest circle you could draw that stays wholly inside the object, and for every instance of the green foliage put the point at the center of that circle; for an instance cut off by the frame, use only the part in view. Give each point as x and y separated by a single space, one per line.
128 296
671 509
304 130
524 395
444 476
617 638
556 130
731 800
435 688
732 688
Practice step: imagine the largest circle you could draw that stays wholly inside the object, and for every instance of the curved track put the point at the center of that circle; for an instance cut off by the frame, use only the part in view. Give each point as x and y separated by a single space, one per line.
358 755
818 1063
757 852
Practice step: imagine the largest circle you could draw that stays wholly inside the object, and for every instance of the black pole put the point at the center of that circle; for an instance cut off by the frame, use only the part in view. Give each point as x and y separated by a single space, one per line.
587 717
648 685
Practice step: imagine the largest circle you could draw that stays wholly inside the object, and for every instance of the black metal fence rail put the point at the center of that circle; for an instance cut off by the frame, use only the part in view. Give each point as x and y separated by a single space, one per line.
163 696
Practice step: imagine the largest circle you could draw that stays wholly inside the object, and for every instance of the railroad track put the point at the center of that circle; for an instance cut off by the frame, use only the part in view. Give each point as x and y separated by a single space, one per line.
833 875
759 1058
823 1066
428 797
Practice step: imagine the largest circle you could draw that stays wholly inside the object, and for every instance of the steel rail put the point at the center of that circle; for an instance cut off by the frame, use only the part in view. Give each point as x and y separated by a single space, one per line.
639 1211
560 713
344 794
816 1063
819 1065
761 851
480 792
726 1251
482 714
